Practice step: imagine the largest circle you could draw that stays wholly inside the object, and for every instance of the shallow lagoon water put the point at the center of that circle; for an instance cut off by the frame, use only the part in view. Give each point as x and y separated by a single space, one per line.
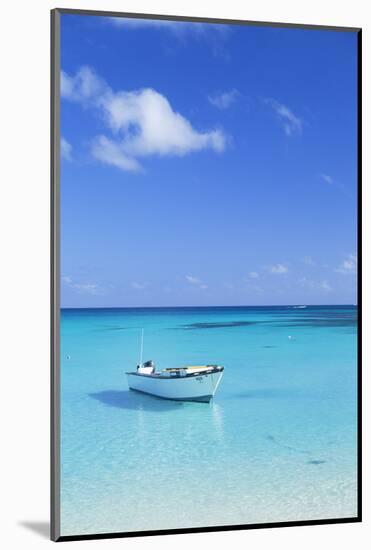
278 442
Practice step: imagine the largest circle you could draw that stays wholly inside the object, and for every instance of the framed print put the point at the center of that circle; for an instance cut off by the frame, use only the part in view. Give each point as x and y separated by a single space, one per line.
206 296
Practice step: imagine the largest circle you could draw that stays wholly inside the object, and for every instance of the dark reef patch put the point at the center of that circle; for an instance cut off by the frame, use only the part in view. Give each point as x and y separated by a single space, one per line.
304 320
222 324
313 322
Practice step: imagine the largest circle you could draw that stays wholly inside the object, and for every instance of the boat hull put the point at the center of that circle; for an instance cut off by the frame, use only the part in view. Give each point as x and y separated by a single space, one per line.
199 388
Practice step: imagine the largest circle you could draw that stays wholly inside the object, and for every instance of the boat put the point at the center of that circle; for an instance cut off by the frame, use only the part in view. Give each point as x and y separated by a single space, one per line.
189 383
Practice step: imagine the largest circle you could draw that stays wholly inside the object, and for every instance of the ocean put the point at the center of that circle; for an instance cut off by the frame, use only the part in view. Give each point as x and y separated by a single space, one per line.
278 442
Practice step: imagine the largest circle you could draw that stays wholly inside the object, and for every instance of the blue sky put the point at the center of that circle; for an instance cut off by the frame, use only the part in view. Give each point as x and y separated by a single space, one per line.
206 164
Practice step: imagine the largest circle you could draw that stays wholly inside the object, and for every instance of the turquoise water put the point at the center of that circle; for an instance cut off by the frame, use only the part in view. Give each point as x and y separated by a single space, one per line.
278 443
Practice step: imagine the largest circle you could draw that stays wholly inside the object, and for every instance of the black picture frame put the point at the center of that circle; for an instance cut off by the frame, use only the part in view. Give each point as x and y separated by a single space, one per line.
55 276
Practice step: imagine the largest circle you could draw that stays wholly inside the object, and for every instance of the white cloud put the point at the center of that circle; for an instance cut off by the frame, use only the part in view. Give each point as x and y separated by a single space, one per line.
110 152
253 275
322 286
334 184
196 282
213 35
89 288
139 286
349 265
180 29
159 129
66 149
193 280
279 269
66 86
254 288
85 287
291 124
132 23
224 100
85 86
308 260
328 179
142 122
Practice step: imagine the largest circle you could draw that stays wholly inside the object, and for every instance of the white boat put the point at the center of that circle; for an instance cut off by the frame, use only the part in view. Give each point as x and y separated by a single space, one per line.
193 383
189 383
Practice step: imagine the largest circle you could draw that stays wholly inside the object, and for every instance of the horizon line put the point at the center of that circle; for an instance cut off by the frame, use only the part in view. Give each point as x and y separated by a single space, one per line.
204 307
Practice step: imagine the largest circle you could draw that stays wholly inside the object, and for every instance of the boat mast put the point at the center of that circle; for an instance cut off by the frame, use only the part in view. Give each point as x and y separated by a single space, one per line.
141 349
